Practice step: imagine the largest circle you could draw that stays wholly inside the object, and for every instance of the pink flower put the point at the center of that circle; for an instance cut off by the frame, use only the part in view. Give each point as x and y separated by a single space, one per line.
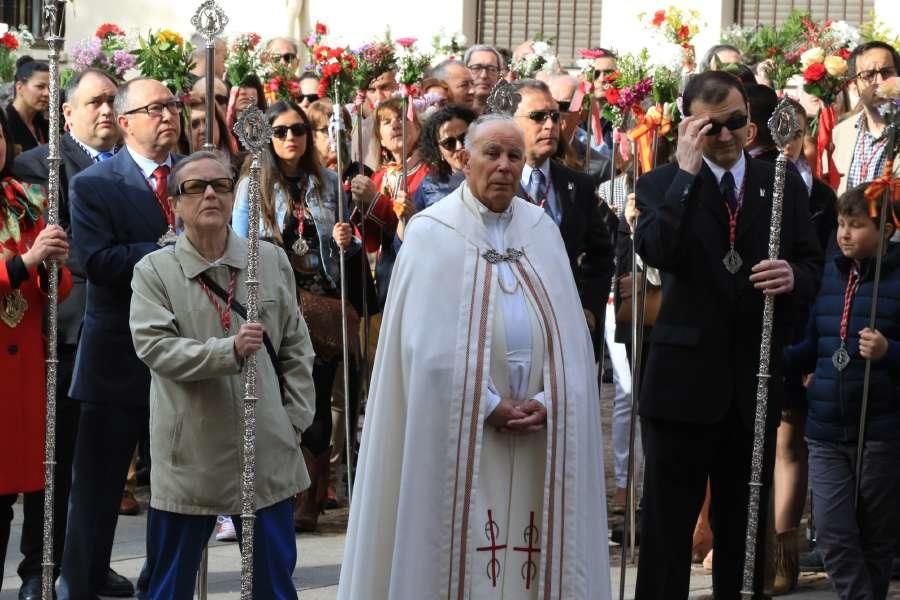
405 42
592 53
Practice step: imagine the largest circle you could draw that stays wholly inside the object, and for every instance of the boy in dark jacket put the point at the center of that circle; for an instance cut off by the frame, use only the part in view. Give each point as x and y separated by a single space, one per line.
857 542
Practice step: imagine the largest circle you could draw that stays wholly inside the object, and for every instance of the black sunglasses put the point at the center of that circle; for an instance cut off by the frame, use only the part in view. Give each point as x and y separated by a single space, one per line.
539 116
287 57
222 185
451 144
733 124
298 129
309 97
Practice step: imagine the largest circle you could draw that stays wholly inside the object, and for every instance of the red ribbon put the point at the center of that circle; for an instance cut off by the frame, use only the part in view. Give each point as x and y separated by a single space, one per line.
877 187
827 121
407 92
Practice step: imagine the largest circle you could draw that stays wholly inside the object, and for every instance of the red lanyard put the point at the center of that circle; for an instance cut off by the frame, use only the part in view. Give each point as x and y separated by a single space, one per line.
864 160
849 294
733 216
224 311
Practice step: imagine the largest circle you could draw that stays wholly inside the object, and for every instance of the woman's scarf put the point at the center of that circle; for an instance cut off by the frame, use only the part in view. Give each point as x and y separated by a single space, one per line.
21 206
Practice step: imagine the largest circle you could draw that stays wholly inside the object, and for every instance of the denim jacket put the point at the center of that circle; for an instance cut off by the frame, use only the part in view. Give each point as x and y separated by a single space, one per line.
322 207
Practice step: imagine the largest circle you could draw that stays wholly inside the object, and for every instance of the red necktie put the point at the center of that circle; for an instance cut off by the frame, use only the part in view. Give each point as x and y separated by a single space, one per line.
161 174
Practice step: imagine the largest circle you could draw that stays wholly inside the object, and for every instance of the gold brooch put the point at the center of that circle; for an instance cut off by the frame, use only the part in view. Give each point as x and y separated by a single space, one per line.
12 308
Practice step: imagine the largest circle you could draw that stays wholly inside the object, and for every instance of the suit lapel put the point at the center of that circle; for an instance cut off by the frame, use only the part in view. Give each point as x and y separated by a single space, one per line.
137 191
757 199
710 198
564 187
70 150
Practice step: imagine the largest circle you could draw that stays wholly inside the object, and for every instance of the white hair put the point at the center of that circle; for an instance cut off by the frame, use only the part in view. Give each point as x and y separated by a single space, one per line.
484 120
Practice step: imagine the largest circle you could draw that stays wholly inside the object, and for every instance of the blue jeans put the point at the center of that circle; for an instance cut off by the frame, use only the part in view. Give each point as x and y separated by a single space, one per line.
857 545
175 544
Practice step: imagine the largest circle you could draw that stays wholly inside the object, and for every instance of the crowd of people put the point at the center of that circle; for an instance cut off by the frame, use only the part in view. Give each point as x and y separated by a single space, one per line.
481 459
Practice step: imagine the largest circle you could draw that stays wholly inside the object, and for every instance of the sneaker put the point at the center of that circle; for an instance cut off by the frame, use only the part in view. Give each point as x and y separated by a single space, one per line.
225 530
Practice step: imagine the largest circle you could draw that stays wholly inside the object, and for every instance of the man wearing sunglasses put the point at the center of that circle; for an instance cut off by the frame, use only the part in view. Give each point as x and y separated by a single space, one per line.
195 347
568 198
704 223
119 213
860 142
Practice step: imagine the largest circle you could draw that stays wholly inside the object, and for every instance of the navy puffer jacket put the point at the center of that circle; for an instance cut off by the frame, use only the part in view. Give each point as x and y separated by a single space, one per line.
835 396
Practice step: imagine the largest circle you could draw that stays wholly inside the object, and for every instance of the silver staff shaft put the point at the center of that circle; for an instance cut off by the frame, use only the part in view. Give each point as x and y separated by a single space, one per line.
203 575
337 129
404 105
587 145
364 276
53 27
891 136
210 20
784 125
208 145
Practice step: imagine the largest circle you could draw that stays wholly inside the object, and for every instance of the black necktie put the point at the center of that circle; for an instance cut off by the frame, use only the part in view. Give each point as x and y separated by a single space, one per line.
726 186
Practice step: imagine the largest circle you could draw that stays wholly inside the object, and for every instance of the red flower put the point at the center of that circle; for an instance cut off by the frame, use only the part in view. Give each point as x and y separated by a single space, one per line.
843 53
323 88
275 84
321 29
293 87
335 53
406 42
684 33
331 69
611 95
9 41
814 72
254 39
658 17
108 30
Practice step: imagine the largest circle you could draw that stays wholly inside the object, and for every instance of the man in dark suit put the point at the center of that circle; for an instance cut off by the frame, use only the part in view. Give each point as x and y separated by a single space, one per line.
119 213
704 222
92 137
570 200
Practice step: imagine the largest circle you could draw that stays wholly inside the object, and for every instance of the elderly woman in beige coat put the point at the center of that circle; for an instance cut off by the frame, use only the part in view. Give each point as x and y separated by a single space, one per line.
195 348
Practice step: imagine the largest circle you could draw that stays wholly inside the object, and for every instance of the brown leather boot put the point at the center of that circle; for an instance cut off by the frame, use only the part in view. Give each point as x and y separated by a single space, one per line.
787 561
306 509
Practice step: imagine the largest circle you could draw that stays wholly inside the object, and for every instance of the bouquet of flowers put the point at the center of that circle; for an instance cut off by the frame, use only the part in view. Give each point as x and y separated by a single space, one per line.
372 60
629 86
166 57
540 58
244 58
411 65
106 50
335 68
315 37
824 76
448 47
11 41
282 85
676 26
876 30
590 89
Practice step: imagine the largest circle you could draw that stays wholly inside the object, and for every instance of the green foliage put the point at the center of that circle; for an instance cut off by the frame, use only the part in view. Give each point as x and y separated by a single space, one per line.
166 57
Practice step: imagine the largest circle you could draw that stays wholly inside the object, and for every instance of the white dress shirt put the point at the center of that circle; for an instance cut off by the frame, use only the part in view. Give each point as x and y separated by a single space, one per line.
552 206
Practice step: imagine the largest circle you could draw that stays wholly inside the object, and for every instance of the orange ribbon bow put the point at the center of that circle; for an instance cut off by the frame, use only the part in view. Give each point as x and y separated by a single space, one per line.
655 121
877 188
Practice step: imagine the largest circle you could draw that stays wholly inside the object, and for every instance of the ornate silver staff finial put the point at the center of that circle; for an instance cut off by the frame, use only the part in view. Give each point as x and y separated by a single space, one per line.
502 99
254 132
209 20
784 124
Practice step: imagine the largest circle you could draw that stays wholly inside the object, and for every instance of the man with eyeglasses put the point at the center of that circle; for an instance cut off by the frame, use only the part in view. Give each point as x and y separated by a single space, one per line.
92 137
704 223
195 347
568 198
487 66
119 213
860 142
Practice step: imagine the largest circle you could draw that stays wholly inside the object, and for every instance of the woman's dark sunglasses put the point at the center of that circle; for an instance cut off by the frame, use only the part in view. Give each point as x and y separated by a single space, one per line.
733 124
222 185
281 131
451 144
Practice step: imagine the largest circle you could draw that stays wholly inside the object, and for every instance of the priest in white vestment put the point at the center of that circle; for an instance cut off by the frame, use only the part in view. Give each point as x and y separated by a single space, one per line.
480 474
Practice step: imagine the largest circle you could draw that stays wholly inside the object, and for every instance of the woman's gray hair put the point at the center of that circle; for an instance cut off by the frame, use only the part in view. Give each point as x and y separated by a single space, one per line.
487 119
174 180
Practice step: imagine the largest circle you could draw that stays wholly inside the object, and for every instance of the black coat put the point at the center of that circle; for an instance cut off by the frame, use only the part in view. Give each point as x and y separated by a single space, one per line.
32 167
704 354
116 221
21 137
587 240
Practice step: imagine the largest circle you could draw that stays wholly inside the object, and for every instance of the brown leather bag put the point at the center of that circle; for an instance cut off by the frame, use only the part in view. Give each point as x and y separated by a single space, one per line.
652 303
323 319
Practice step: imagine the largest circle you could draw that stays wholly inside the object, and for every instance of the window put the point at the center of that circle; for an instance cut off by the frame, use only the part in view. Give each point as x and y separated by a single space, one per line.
569 24
774 12
26 12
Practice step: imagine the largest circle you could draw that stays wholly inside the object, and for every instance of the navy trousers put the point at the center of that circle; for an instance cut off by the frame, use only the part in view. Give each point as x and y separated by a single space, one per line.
175 544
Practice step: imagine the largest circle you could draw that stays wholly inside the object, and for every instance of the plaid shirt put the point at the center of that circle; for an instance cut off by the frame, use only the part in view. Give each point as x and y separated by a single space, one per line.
868 155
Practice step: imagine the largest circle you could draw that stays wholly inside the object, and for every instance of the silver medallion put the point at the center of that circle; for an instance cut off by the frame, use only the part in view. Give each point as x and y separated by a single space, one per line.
300 247
840 359
732 261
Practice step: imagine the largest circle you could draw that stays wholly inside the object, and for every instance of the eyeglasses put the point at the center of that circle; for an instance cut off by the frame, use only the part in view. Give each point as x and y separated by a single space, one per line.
309 97
733 124
155 109
490 69
287 57
452 144
222 185
869 75
297 130
540 116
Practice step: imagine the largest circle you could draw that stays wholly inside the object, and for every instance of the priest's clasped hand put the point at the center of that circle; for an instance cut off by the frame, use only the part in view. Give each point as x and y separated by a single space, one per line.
773 277
518 417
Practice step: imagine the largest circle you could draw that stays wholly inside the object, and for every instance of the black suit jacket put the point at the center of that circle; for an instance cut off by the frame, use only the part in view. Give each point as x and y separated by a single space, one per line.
32 166
587 240
705 344
116 220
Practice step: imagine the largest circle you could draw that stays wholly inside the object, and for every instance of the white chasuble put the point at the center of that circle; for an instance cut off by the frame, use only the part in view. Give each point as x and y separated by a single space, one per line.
445 507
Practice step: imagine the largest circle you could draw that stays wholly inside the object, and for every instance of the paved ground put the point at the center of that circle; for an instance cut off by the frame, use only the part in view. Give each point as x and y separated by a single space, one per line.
320 557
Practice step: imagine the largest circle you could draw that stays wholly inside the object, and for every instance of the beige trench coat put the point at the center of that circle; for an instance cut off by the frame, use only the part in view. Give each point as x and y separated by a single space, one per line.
197 390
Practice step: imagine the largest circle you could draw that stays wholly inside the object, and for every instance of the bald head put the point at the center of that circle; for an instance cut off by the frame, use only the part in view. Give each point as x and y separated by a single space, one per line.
495 158
562 87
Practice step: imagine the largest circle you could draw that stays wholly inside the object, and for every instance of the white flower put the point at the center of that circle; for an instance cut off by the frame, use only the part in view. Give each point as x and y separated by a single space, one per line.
540 47
666 54
3 28
461 39
584 63
812 56
844 34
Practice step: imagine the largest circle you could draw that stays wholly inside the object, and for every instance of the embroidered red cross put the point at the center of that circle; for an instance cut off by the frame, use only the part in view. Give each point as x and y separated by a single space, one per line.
491 529
532 536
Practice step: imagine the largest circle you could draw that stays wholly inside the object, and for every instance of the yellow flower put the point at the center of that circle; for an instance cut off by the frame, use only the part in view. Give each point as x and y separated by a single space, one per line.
835 66
167 35
812 56
890 89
